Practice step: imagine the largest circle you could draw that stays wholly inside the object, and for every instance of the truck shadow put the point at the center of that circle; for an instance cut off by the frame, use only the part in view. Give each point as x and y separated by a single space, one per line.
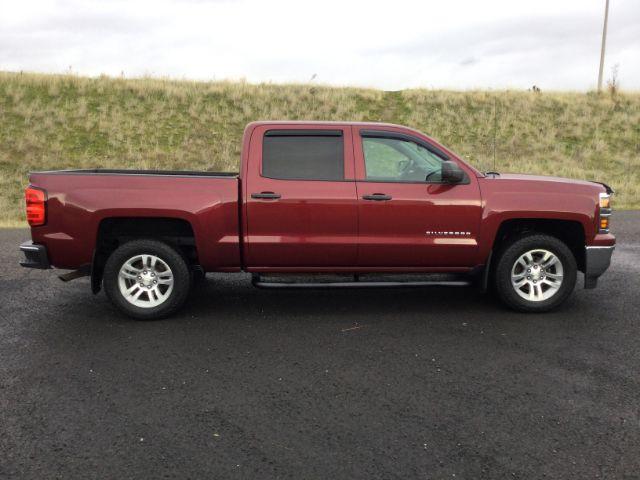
231 299
231 295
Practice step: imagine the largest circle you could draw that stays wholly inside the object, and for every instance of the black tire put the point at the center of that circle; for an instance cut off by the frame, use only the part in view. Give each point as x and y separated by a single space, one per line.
173 258
510 253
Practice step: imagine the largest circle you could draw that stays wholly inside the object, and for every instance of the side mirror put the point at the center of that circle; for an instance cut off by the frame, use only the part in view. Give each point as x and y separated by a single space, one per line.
451 172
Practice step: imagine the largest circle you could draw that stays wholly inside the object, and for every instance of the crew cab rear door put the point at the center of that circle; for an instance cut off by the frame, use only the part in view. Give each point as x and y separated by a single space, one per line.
300 198
408 218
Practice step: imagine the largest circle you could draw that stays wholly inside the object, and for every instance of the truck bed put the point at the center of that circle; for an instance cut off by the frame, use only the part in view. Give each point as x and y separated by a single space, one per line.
79 201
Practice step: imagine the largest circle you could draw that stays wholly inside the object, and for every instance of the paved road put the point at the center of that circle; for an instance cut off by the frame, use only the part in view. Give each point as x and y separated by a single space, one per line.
246 383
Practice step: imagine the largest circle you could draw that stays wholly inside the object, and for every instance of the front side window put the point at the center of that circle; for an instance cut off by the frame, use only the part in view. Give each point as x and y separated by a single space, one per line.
398 160
298 155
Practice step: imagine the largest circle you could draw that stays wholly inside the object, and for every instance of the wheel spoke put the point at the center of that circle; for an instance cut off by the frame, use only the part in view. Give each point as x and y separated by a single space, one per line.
554 276
161 296
153 296
520 283
165 278
538 291
137 294
129 267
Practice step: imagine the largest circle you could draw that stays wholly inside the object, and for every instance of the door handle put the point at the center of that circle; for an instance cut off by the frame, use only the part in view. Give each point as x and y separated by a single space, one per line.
266 195
378 197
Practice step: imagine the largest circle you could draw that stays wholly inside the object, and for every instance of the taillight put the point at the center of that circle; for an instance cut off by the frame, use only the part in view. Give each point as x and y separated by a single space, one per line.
36 200
605 213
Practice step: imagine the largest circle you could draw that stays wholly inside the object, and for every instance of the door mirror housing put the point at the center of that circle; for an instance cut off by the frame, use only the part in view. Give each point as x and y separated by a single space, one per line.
451 172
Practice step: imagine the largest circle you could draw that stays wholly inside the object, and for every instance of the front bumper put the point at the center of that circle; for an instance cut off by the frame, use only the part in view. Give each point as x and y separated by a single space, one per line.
35 256
597 261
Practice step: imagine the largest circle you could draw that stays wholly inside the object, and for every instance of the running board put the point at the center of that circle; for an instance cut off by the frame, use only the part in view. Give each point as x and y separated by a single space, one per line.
258 282
84 271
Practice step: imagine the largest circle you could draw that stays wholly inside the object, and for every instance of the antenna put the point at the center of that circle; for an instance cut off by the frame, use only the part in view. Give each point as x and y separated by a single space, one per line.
495 129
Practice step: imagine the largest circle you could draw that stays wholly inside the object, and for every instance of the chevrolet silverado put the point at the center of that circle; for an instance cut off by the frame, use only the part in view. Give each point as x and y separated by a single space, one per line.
366 204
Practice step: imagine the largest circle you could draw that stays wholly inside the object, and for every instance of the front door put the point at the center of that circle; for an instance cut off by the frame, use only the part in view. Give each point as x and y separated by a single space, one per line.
301 204
408 218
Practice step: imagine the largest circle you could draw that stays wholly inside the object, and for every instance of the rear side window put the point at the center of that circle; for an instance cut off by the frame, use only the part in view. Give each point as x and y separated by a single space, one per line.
303 155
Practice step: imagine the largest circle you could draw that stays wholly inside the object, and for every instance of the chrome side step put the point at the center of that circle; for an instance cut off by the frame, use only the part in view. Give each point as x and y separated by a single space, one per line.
257 281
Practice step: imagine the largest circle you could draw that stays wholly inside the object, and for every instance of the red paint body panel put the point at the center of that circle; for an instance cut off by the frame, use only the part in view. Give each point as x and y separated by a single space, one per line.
78 202
508 197
313 224
316 226
400 232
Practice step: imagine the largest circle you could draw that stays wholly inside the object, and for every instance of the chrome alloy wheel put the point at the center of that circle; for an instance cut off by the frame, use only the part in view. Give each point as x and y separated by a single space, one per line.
537 275
145 281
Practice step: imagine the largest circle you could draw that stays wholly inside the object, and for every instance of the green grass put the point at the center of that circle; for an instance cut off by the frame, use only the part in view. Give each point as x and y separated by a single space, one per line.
57 121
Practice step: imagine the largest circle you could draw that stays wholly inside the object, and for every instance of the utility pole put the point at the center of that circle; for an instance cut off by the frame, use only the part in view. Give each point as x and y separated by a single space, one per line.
604 41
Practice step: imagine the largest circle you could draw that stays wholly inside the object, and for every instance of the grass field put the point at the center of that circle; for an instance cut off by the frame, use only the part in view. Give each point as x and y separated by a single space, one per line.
55 122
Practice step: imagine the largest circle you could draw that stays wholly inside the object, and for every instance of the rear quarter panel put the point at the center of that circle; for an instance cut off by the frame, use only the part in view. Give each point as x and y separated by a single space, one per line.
77 203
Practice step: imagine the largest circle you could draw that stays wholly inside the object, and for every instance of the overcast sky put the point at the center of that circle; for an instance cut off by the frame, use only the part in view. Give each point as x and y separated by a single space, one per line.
460 44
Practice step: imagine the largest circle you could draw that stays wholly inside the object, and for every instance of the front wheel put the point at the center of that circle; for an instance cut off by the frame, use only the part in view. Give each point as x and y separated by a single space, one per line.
146 279
535 273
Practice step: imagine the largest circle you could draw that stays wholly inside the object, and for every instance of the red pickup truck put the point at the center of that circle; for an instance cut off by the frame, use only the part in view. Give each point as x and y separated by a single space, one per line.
358 202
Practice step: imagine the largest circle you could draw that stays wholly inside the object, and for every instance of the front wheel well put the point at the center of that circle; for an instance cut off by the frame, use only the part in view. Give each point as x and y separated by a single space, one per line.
568 231
113 232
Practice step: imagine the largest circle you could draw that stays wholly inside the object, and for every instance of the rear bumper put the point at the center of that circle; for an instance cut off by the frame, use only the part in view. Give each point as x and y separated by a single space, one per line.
35 256
598 259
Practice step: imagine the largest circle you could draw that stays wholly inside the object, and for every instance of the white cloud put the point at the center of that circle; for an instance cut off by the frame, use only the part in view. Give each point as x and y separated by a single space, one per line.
392 45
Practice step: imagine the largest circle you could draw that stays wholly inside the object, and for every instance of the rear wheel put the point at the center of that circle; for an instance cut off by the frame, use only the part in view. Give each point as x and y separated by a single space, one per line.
535 273
147 279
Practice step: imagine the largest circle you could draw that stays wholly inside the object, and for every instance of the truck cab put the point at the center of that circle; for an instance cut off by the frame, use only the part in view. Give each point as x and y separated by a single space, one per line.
356 198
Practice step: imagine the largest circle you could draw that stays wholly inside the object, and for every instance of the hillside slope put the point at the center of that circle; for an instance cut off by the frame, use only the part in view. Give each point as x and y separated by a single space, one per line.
54 122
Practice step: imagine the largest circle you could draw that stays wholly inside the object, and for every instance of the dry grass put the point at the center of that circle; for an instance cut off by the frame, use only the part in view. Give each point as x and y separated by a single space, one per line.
54 122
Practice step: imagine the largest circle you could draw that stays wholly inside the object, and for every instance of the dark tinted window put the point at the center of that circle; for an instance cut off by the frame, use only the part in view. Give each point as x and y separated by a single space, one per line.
297 155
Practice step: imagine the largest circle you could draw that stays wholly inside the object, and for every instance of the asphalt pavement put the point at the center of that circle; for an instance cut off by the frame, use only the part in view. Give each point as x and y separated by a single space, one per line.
305 384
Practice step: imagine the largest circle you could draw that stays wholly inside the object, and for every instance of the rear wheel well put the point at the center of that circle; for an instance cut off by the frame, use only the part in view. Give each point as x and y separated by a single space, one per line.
568 231
113 232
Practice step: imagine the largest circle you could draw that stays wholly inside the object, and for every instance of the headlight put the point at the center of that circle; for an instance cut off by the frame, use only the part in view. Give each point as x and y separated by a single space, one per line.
604 213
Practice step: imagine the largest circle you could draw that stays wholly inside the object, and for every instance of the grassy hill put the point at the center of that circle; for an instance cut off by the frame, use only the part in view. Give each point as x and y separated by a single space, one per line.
54 122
